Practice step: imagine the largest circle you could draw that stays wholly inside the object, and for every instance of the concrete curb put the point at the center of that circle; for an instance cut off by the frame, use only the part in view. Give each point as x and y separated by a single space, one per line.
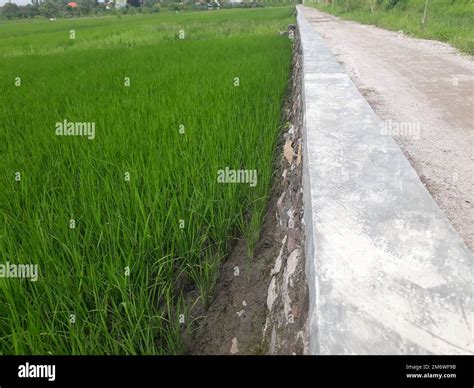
387 273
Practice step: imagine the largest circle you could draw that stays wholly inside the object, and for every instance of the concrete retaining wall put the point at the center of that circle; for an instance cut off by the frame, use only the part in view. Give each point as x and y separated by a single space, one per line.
387 273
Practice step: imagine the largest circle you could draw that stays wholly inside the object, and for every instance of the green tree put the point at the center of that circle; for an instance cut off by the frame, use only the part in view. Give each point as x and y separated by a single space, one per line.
28 11
48 9
10 10
149 3
86 7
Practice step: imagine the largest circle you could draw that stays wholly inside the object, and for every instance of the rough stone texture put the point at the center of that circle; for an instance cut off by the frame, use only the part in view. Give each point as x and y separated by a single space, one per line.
285 329
387 273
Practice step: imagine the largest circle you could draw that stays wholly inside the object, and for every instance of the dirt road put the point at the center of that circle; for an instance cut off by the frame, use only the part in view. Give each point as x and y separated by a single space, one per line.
423 91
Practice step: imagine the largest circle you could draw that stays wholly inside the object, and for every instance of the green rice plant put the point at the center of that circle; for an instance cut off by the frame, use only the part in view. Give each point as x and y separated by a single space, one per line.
123 221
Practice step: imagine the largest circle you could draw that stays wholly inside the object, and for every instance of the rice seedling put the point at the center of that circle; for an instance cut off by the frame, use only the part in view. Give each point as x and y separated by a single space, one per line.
111 144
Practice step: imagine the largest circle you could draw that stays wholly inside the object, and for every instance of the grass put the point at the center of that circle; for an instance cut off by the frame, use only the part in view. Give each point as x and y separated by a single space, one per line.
450 21
115 283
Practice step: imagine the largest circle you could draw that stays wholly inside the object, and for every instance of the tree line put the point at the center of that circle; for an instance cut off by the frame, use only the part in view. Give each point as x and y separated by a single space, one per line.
63 8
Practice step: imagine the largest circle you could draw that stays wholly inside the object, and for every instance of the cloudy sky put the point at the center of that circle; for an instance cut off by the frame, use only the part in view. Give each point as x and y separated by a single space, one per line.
18 2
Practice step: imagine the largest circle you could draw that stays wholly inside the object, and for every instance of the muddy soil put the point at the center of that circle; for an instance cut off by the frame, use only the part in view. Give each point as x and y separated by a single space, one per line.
235 320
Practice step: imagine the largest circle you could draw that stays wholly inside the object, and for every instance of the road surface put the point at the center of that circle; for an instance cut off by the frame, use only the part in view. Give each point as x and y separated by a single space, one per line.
423 91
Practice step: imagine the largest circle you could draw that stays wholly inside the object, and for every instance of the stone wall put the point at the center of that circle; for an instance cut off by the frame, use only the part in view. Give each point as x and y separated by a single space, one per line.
287 301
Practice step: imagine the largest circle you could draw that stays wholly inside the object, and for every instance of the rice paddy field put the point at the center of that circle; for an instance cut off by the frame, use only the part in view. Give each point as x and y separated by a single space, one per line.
123 211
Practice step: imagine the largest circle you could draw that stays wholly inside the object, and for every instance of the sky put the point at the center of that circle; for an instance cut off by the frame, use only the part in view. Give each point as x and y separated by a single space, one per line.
17 2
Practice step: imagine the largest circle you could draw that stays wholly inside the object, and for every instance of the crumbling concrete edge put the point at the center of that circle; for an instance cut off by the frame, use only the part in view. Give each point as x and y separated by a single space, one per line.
285 330
387 273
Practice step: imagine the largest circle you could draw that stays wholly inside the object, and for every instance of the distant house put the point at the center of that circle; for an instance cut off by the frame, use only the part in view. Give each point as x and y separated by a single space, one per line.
125 3
120 3
236 3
